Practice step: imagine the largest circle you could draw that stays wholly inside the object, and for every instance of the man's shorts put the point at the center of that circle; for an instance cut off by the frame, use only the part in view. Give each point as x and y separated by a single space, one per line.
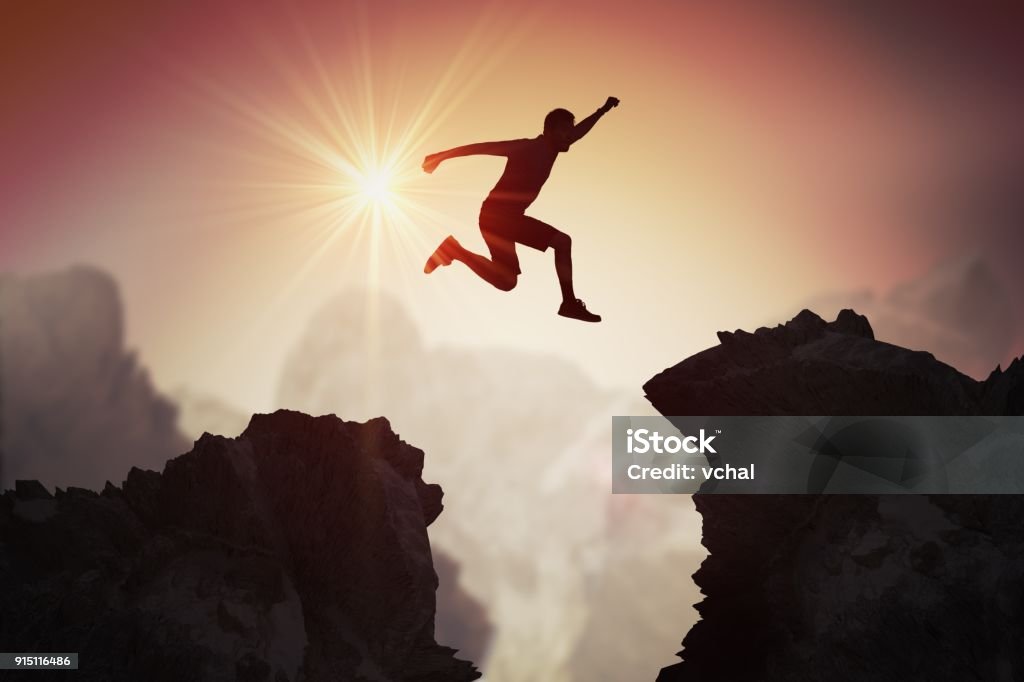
502 228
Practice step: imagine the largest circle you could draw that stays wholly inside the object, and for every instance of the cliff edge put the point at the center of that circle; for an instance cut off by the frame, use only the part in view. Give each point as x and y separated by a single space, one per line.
297 551
848 587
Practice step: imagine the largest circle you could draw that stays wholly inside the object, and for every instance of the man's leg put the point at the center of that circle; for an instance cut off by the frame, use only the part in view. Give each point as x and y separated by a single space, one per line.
497 274
571 306
494 273
541 236
562 244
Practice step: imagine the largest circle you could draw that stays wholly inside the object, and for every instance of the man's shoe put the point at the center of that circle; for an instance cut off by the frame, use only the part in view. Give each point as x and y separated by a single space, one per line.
577 310
441 255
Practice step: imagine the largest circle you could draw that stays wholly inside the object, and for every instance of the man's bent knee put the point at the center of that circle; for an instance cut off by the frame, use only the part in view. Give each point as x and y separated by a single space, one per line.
507 282
560 241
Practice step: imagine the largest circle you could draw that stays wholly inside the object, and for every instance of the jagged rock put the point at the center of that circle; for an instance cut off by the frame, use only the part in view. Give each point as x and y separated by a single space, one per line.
843 587
1004 389
31 490
75 406
461 621
297 551
808 366
849 322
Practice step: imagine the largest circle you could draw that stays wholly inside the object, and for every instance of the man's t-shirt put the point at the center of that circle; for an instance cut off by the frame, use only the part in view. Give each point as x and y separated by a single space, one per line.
528 167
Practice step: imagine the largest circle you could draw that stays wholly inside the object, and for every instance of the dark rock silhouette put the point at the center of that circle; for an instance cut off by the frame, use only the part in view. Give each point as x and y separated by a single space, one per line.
843 587
461 621
298 550
75 406
809 366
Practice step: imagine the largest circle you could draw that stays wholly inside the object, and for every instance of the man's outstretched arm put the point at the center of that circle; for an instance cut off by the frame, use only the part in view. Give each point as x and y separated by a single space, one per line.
584 126
488 148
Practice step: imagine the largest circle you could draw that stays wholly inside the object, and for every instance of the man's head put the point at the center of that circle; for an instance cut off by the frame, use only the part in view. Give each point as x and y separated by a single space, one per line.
558 127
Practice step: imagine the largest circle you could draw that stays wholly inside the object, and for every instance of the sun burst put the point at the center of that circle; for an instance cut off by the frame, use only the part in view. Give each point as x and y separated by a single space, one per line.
332 161
376 186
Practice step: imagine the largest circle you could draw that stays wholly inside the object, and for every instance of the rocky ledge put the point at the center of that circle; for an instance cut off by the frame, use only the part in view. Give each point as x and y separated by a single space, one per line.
297 551
843 587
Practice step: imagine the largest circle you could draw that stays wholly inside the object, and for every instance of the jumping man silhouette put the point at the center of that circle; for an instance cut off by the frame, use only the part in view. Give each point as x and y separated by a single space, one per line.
503 219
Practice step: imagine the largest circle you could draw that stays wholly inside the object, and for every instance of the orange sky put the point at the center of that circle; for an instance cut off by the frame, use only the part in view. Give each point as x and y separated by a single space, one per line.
758 158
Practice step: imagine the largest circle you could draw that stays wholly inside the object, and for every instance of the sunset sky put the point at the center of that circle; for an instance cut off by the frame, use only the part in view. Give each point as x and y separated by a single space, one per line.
202 153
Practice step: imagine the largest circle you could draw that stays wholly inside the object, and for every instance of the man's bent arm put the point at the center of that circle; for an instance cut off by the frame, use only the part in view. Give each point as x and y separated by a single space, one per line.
584 126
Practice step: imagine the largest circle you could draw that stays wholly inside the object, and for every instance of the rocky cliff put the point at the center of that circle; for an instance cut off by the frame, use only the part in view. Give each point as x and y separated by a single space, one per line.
838 587
297 551
461 621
